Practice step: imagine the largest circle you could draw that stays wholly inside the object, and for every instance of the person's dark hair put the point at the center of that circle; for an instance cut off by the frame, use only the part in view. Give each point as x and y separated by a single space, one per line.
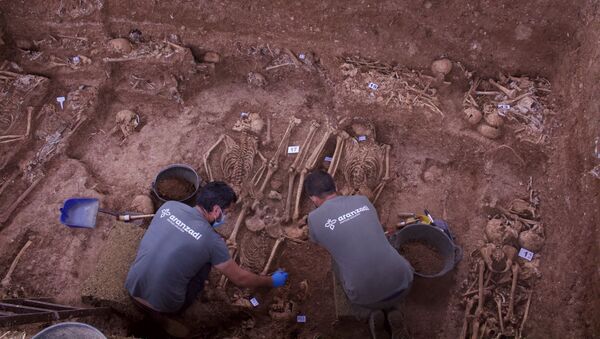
319 183
216 193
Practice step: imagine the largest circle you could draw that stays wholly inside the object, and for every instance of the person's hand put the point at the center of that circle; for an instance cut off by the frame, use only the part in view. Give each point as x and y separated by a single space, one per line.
279 278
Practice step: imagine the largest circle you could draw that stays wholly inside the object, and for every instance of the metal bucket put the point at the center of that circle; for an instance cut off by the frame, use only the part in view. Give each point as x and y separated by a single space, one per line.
434 236
70 330
179 171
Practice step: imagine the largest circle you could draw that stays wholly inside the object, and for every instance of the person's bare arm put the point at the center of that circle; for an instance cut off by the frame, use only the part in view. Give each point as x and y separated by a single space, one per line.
241 277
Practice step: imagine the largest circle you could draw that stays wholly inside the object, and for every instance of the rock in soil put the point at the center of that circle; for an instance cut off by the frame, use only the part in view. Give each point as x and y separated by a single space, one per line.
212 57
425 259
174 189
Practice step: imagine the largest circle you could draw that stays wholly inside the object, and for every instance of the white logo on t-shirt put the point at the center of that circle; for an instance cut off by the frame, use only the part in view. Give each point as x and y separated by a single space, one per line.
164 212
330 223
180 225
353 214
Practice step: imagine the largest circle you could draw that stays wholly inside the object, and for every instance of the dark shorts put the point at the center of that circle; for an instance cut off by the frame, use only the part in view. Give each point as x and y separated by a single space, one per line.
194 288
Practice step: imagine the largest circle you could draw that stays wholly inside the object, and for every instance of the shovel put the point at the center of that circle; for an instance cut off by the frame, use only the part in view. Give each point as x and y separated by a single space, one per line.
82 212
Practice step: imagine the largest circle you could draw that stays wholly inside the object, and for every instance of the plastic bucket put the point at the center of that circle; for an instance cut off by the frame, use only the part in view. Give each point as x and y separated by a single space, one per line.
181 172
71 330
433 236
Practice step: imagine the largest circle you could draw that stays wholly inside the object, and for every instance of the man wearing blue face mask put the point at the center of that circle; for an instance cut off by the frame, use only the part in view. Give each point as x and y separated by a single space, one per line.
179 249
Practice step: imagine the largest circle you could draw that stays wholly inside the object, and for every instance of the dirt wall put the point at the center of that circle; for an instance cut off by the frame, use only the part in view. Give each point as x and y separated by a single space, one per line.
486 35
577 218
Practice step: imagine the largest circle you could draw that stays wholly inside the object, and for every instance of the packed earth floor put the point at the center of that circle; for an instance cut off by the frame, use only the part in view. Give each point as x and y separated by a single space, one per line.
502 140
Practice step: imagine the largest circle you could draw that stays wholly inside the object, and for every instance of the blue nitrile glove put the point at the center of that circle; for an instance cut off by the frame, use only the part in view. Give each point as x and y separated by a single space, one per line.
279 278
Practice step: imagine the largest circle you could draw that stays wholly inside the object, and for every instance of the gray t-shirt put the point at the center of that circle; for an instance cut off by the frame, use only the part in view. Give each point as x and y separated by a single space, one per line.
370 269
178 243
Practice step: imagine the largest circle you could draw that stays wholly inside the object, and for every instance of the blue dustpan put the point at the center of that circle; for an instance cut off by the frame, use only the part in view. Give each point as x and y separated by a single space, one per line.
79 212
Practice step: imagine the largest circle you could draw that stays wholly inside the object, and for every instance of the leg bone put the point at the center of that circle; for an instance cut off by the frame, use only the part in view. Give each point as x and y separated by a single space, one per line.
231 241
510 93
480 302
465 327
261 170
272 256
290 192
274 162
293 170
339 151
268 138
511 300
498 301
310 164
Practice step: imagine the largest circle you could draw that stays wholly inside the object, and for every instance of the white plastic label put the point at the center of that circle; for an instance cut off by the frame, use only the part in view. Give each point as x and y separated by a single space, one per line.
254 302
244 114
293 149
373 86
301 56
328 159
505 107
61 100
301 318
526 254
362 137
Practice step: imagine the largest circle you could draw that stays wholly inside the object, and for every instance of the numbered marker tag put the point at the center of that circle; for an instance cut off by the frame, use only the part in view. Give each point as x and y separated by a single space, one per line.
328 159
301 318
362 137
301 56
61 100
244 114
293 149
526 254
373 86
76 59
254 302
504 107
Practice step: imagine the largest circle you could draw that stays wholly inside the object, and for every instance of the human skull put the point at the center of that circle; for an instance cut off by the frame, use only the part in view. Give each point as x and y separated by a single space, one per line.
497 231
361 127
532 239
127 121
473 115
441 66
120 45
493 119
488 131
522 208
251 122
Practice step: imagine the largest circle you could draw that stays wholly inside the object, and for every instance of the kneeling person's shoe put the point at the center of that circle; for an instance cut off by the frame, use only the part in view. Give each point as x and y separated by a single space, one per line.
377 325
174 327
397 324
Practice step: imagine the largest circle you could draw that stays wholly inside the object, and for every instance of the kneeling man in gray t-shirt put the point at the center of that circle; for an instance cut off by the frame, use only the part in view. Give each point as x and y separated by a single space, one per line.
373 274
179 249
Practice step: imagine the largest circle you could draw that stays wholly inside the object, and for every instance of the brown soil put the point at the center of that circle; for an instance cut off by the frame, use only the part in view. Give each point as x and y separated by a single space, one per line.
174 189
437 161
424 258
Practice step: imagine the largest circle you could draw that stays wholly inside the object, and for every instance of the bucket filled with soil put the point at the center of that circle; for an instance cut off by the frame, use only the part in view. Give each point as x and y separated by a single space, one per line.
176 182
429 250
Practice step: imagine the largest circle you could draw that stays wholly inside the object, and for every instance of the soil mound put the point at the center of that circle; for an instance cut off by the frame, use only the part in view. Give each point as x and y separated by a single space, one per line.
174 189
424 258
